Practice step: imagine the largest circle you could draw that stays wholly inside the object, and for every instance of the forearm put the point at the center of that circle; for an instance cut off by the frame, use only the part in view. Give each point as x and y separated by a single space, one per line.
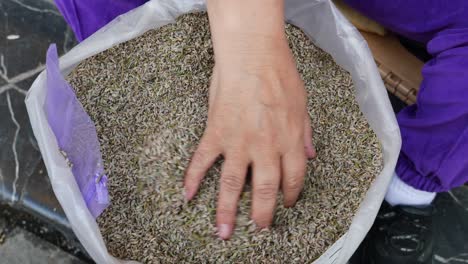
246 25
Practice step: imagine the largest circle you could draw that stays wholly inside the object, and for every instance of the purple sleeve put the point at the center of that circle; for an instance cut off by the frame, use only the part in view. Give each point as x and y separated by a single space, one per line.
434 155
435 130
415 19
87 16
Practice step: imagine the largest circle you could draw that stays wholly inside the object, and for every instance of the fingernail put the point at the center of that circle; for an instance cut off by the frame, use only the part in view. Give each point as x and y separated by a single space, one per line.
308 152
187 195
311 153
224 231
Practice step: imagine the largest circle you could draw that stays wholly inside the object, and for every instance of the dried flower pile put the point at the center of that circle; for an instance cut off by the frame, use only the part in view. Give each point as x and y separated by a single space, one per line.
148 98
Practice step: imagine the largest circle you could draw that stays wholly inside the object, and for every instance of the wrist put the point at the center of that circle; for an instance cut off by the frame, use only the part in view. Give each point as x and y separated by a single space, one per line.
246 28
250 52
246 19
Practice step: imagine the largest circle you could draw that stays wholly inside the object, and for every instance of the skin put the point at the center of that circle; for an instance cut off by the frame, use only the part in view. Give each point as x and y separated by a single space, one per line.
257 112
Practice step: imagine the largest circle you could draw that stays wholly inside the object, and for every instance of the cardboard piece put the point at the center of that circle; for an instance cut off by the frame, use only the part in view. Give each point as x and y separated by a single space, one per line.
360 21
400 70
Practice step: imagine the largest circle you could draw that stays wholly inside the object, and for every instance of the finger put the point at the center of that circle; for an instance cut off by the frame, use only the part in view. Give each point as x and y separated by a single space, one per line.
232 181
293 171
265 181
308 143
201 161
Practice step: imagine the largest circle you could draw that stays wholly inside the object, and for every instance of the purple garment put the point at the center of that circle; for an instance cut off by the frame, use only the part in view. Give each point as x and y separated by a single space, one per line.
87 16
434 155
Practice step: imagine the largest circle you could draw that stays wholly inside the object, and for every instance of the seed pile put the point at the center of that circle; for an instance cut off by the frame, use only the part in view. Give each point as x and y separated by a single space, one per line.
148 98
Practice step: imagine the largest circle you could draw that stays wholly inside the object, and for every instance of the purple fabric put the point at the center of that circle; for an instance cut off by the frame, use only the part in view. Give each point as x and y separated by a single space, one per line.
434 155
87 16
76 136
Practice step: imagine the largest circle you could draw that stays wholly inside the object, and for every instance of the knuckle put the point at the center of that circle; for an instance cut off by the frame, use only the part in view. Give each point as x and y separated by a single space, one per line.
263 221
224 212
215 130
263 129
297 172
266 127
231 182
294 183
296 134
236 151
268 138
266 191
199 158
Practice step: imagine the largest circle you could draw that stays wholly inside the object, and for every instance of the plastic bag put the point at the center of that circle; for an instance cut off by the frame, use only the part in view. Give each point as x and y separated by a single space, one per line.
326 27
76 136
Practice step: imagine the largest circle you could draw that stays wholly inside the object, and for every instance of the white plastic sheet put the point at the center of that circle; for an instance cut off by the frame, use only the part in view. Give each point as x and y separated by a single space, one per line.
324 25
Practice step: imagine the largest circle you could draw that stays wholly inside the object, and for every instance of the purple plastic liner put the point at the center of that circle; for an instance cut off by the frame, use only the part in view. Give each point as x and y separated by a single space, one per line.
76 136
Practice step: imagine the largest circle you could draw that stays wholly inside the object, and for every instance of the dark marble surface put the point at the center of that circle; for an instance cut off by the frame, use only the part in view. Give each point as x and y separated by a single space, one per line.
27 28
450 230
451 224
12 219
20 154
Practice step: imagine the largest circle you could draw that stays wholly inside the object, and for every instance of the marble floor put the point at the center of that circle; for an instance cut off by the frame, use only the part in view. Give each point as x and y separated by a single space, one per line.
27 27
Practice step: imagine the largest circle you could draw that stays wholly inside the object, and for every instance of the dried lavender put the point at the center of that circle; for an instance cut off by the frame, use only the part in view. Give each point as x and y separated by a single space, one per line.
149 99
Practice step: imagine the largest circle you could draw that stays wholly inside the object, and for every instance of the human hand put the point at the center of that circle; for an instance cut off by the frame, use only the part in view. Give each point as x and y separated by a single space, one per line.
257 117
